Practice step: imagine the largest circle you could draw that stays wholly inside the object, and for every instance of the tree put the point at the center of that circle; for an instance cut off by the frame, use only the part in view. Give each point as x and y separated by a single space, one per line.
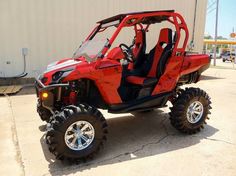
221 38
208 37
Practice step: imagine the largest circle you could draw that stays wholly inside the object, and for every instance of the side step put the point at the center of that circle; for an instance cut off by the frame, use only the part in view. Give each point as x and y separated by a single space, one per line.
141 104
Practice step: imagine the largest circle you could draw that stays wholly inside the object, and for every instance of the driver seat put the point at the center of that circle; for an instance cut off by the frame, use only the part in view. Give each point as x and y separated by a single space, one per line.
139 48
154 65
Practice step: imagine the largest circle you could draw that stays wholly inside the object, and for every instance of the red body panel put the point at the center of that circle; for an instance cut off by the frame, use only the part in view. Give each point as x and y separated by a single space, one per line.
107 78
115 54
168 80
193 63
177 67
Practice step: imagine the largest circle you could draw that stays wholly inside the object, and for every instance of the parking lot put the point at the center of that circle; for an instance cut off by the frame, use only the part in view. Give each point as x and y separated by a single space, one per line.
226 64
138 143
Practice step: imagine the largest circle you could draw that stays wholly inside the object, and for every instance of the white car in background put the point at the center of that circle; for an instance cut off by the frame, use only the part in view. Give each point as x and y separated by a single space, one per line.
228 57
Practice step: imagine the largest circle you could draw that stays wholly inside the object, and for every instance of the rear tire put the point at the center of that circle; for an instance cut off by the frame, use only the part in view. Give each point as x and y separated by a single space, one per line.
190 110
76 133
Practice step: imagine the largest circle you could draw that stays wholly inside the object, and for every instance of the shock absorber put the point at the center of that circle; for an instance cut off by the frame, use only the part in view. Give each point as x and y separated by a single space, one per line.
73 94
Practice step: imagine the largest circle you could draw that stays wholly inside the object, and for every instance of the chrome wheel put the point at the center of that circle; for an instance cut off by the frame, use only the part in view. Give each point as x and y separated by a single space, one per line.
79 135
195 112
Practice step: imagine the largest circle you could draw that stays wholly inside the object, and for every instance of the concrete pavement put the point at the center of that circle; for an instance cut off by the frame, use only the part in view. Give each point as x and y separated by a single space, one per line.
138 144
221 64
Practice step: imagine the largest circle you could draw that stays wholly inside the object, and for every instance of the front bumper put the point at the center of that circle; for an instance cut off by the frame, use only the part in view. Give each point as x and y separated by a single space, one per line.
48 102
41 87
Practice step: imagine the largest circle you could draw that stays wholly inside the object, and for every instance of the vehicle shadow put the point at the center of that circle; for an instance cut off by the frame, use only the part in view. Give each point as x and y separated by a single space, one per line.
204 77
27 90
132 137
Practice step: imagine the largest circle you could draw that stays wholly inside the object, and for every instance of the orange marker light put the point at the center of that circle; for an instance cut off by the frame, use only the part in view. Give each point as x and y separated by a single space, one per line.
45 95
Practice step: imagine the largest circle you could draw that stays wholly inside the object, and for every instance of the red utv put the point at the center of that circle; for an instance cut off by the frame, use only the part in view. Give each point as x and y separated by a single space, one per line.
121 78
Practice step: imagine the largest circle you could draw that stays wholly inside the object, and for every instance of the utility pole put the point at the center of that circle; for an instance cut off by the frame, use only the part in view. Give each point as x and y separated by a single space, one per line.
216 30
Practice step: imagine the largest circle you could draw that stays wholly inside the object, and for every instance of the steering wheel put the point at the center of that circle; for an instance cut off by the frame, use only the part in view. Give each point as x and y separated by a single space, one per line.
127 52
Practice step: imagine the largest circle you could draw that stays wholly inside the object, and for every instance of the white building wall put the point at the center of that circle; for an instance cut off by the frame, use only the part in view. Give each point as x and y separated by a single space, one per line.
53 29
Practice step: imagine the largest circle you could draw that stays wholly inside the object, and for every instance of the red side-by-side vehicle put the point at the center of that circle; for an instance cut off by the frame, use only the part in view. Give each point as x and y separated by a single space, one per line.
121 78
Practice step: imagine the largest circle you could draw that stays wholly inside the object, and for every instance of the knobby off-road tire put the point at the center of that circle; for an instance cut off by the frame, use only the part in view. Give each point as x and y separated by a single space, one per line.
193 102
44 113
64 125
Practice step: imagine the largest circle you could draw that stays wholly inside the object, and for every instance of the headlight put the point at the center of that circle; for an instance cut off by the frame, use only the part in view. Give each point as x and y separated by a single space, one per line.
58 76
42 79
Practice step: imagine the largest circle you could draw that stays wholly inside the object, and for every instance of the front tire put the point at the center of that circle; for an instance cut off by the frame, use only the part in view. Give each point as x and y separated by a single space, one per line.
190 110
44 113
76 133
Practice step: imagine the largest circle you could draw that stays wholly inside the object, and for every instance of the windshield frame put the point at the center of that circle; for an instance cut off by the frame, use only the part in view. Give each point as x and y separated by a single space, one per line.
91 49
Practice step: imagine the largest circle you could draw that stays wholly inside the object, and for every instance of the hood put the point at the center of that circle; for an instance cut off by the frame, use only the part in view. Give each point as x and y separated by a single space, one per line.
63 64
58 70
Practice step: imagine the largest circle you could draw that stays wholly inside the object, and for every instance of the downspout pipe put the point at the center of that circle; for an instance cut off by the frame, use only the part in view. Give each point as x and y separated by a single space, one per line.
194 25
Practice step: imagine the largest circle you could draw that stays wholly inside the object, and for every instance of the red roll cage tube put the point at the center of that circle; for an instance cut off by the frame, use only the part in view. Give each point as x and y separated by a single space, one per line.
133 19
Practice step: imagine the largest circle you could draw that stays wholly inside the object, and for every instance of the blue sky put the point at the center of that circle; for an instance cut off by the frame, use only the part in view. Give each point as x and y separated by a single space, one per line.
227 18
